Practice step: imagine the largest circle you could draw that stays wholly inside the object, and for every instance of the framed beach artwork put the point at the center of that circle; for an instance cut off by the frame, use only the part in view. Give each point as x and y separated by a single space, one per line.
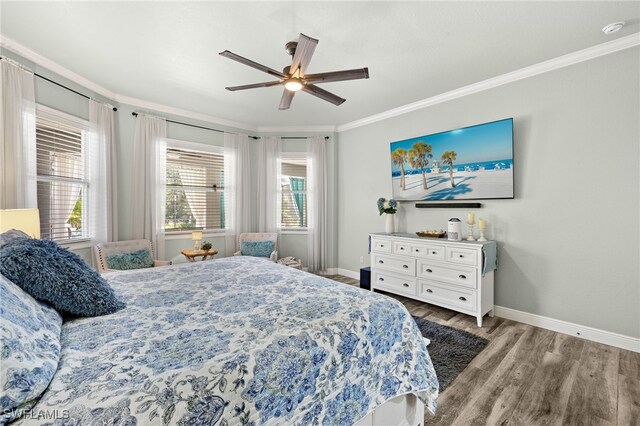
471 163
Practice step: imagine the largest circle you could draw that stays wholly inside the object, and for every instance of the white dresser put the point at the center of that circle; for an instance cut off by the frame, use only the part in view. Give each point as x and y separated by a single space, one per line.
440 272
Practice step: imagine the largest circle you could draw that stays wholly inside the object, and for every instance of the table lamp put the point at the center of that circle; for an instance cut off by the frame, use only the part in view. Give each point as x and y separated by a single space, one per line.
196 236
25 220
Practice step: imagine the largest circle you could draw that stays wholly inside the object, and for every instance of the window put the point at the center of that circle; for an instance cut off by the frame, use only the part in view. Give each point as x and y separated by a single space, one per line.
293 191
63 186
195 187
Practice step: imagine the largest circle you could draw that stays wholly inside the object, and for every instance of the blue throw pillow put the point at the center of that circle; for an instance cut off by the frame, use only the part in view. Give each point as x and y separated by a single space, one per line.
30 350
12 234
134 260
58 277
256 248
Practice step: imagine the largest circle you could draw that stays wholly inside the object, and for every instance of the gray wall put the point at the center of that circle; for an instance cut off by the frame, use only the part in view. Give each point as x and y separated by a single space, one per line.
569 241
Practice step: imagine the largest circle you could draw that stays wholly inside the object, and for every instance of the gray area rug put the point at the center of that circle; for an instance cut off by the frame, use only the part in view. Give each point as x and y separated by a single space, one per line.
451 350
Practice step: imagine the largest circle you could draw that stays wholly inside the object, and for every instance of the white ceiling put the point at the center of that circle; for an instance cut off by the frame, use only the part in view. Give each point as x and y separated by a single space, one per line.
167 52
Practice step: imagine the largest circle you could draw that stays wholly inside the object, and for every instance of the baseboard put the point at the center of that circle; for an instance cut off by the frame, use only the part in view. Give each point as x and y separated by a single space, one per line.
348 273
589 333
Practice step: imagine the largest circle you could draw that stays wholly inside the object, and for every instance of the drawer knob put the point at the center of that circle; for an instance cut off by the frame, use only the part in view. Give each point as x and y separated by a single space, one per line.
405 266
433 252
405 284
464 299
381 245
417 250
464 277
461 256
401 248
380 279
429 290
429 270
380 261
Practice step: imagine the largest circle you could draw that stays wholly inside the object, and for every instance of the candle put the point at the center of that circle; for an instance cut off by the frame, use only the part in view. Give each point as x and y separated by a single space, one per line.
471 218
482 224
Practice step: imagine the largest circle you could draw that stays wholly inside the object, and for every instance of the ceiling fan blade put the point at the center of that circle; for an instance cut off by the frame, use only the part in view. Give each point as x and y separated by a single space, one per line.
254 86
285 101
252 64
304 52
327 77
322 94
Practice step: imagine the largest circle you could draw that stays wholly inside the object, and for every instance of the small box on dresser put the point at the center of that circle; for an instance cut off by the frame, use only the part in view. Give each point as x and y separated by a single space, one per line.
451 274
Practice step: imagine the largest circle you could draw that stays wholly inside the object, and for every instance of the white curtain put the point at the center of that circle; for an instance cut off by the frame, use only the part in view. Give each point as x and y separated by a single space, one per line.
268 172
237 181
149 181
103 173
317 199
18 188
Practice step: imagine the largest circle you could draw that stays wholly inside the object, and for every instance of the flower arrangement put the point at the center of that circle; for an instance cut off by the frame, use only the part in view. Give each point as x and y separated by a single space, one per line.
387 206
206 245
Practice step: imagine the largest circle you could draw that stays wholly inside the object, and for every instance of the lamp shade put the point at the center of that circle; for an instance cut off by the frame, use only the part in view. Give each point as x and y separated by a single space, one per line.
196 235
25 220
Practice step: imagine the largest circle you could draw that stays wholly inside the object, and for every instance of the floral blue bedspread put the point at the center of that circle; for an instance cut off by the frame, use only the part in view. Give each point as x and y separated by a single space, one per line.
237 341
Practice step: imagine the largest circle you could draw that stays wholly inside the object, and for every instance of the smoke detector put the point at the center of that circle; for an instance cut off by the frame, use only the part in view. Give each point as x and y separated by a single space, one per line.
613 27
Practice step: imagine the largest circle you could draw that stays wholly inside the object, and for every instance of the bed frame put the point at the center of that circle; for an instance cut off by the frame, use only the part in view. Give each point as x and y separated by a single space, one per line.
404 410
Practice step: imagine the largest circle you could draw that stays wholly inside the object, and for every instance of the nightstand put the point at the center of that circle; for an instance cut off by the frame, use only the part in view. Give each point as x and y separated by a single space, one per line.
191 255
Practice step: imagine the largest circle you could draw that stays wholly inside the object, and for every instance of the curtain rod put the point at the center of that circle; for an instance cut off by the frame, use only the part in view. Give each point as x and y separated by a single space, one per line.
49 80
65 87
135 114
300 137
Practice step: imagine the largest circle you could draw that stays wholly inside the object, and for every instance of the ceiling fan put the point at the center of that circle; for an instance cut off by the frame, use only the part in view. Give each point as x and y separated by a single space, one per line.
294 76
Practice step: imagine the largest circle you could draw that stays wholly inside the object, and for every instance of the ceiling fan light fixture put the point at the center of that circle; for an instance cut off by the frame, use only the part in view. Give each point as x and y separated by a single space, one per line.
293 84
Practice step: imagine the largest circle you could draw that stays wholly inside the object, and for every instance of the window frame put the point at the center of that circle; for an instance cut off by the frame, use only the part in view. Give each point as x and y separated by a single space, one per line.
206 149
83 125
283 157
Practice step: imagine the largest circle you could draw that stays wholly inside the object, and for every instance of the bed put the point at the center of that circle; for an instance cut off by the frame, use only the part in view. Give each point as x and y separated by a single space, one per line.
239 341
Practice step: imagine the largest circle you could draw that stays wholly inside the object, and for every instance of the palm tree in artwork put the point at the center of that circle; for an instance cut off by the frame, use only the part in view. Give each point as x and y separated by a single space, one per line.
419 156
448 157
399 158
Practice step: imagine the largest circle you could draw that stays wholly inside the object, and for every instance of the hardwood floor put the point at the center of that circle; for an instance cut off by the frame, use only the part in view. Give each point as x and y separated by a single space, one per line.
531 376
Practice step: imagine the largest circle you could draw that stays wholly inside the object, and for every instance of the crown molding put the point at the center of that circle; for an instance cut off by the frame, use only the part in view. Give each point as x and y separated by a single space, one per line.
297 129
52 66
569 59
148 105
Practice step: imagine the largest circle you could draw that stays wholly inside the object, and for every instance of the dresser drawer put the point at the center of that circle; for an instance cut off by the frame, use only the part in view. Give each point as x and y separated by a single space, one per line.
401 248
462 256
380 246
465 277
397 264
427 251
395 284
441 294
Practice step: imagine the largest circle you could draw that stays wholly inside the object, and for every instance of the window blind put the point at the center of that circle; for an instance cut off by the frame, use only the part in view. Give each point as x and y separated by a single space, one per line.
195 190
293 187
62 186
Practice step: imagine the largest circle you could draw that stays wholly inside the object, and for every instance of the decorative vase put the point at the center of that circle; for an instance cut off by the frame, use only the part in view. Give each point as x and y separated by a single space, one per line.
389 226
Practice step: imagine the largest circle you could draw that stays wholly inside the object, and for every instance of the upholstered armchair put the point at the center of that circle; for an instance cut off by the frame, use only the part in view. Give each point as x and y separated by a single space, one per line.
258 236
103 250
